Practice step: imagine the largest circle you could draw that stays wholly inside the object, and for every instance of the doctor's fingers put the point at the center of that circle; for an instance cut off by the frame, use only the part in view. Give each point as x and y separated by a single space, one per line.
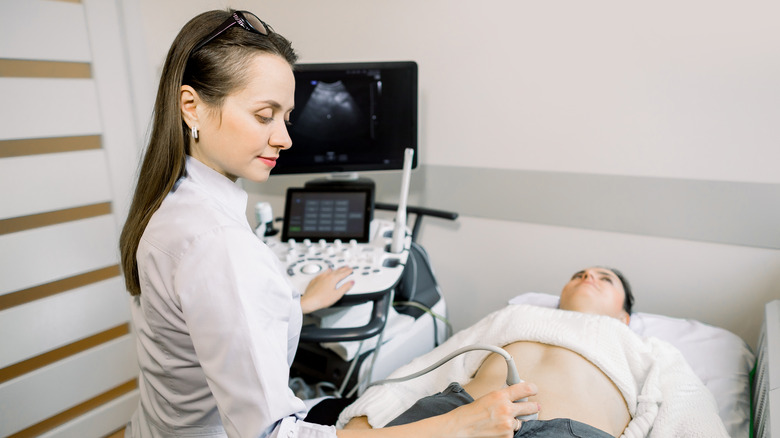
520 390
519 394
331 277
492 415
322 292
338 274
342 272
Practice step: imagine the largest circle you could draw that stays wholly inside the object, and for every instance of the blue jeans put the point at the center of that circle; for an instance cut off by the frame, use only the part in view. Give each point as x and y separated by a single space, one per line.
455 396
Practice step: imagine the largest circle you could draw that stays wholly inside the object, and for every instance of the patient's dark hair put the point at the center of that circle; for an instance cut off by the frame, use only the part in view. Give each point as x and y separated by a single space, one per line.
628 303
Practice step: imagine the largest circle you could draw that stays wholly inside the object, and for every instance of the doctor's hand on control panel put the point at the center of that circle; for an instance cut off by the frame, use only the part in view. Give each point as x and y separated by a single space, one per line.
324 290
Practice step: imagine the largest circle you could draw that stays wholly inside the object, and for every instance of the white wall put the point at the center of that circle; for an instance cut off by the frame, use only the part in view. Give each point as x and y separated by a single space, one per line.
67 148
683 90
671 90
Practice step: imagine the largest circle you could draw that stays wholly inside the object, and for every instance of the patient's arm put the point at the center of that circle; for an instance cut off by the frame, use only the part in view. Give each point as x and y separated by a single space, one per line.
358 423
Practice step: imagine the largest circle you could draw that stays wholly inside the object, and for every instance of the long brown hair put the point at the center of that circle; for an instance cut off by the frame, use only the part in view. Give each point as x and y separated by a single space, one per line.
214 71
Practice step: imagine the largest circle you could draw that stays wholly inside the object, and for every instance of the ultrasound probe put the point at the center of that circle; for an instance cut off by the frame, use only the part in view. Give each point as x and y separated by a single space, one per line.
512 376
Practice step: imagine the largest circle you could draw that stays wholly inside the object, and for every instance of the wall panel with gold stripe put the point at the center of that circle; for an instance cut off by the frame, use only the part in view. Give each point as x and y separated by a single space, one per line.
44 31
67 363
49 107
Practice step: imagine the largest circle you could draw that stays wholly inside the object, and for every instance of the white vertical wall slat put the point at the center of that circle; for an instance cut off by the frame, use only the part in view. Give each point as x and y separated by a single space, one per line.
142 76
111 74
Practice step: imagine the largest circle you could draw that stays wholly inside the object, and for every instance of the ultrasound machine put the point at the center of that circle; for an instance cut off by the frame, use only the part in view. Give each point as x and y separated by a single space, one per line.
350 118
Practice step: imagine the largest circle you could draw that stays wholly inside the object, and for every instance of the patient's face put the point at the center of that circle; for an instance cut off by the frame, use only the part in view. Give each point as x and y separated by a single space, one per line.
596 291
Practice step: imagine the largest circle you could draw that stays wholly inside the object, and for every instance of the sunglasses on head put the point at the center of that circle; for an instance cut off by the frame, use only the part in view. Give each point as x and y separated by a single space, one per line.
245 19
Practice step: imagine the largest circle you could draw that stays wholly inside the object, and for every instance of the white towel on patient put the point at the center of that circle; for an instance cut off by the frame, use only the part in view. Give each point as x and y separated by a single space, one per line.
665 398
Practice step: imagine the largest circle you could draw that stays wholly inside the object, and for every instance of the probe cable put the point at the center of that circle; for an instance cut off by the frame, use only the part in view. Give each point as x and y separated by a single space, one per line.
429 311
375 355
512 376
350 370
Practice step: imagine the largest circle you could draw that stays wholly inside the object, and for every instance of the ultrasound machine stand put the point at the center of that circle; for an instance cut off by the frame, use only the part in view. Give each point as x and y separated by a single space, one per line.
415 294
393 252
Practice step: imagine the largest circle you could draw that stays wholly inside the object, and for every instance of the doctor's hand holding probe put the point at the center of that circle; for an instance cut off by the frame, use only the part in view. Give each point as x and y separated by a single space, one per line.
217 323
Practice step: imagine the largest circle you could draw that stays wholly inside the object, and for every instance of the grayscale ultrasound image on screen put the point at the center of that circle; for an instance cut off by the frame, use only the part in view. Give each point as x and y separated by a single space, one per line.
337 113
351 117
338 118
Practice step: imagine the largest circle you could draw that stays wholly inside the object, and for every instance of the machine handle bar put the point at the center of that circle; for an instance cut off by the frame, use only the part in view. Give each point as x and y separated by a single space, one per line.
374 326
419 212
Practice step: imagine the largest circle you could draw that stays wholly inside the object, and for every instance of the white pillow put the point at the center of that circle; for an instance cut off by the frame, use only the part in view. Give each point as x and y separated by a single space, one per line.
721 359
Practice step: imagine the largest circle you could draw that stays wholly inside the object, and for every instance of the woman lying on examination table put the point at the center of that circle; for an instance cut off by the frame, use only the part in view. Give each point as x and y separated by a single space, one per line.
217 321
596 378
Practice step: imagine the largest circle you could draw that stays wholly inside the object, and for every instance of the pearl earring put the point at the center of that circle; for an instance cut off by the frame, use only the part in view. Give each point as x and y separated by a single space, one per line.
194 131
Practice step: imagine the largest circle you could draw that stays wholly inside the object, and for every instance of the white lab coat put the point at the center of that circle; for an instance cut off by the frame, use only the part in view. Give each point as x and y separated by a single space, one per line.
217 321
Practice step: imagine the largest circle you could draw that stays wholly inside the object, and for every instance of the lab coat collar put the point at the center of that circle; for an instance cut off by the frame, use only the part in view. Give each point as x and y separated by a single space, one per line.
223 190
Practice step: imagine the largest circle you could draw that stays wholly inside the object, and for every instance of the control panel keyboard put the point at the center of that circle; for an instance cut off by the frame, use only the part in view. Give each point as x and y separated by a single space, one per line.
374 267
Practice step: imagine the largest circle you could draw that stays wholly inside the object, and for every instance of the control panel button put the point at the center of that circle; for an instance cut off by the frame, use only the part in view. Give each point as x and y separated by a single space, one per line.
311 268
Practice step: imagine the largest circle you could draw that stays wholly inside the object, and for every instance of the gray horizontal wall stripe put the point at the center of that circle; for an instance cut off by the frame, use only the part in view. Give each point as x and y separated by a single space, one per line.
746 214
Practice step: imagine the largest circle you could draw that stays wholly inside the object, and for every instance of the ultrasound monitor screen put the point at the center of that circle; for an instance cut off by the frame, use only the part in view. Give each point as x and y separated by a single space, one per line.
351 117
325 214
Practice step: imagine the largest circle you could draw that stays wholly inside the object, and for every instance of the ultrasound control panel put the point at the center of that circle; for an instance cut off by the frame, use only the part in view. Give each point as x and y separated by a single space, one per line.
374 268
326 228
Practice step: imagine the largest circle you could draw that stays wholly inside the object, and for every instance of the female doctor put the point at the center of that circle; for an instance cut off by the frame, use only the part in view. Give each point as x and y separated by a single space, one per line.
216 320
